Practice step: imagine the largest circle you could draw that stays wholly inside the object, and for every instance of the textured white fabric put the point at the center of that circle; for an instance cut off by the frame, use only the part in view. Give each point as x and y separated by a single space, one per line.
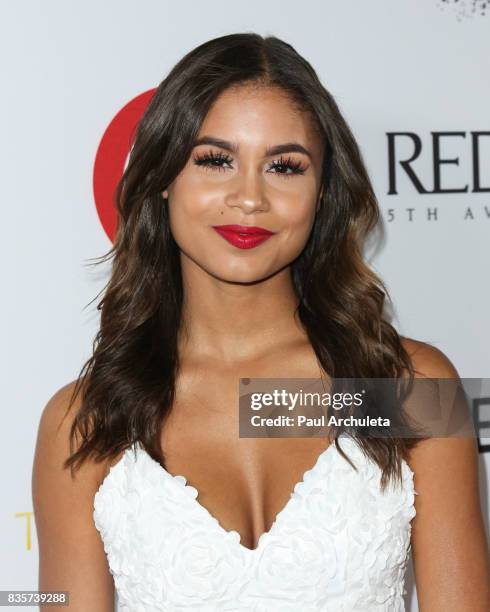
338 545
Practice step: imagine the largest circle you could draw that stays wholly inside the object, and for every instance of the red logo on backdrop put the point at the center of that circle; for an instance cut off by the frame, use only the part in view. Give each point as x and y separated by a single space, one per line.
111 156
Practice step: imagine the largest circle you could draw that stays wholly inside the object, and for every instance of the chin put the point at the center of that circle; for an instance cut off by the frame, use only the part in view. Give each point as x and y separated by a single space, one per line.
241 276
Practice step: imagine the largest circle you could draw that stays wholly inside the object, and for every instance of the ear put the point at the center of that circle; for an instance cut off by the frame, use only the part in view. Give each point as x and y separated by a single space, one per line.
165 195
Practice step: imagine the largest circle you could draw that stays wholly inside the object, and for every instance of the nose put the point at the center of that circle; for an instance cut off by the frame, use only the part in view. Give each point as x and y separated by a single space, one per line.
247 192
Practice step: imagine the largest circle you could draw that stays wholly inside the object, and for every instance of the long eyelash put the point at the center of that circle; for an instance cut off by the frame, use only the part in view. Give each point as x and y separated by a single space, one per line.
215 160
296 166
212 159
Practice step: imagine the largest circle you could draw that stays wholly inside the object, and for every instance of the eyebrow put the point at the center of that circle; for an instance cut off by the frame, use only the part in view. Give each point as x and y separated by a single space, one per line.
287 147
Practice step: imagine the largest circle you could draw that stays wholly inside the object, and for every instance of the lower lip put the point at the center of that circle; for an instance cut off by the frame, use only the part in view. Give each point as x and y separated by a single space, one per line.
243 241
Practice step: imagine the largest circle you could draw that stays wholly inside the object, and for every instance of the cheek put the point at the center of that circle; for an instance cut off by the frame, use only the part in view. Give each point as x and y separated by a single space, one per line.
297 214
189 202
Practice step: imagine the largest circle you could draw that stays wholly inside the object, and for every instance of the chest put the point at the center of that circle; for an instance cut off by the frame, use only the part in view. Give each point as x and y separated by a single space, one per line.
242 482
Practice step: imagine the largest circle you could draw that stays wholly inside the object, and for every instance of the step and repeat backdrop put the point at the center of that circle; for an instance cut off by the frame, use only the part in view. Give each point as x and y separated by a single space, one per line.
412 81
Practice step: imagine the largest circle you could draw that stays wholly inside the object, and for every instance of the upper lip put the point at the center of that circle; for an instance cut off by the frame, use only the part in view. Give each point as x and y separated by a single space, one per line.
244 229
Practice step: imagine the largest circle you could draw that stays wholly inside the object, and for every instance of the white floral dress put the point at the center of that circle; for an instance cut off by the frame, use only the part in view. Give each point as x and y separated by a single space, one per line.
339 544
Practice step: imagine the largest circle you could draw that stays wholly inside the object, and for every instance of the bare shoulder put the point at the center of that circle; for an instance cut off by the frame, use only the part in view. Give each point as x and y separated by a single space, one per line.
450 551
53 437
71 553
428 360
56 417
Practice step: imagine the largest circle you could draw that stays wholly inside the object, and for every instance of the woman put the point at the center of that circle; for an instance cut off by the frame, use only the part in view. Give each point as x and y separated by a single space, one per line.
242 213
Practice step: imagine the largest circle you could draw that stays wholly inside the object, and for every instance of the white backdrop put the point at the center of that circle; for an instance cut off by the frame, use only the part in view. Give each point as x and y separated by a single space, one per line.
69 67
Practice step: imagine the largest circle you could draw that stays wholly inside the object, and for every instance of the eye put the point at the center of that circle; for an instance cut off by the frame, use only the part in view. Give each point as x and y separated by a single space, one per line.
287 167
213 160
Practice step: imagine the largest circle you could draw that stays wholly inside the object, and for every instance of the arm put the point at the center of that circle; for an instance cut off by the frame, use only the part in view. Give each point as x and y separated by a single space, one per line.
449 546
71 553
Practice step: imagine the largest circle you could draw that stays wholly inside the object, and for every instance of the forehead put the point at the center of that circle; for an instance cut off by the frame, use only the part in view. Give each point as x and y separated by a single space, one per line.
259 114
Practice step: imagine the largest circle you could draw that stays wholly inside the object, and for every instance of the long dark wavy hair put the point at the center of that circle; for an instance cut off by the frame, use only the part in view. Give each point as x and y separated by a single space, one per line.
128 384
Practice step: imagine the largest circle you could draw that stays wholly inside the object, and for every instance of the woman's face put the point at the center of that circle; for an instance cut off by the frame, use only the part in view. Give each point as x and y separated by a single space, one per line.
256 162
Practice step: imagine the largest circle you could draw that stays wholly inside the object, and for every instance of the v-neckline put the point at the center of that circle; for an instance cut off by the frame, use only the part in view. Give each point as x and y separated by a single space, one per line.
181 481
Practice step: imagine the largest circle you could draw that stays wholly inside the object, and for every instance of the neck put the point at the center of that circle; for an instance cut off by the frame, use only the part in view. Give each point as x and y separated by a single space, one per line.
233 322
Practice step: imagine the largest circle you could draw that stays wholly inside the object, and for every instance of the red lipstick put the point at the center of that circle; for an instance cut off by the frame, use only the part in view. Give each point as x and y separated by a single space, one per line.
243 236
